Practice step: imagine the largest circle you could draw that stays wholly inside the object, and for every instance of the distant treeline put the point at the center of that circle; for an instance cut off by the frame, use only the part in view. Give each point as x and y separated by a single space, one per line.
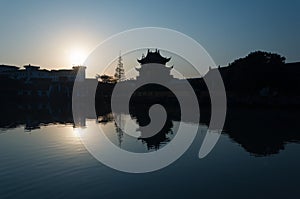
260 78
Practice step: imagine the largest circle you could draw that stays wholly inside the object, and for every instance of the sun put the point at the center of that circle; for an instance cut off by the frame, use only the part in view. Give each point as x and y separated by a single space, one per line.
77 57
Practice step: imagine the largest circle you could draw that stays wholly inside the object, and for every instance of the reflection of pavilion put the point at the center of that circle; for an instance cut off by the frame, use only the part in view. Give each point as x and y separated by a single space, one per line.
157 65
159 139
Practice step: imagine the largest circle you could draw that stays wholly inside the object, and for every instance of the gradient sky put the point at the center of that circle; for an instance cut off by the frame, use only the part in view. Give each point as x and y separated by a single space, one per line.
46 32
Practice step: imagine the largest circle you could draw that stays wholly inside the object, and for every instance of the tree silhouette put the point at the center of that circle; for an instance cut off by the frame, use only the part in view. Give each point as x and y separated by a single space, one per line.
259 58
106 78
255 72
119 73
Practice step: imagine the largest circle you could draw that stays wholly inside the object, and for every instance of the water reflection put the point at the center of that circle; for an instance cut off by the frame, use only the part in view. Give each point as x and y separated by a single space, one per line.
261 132
34 115
128 142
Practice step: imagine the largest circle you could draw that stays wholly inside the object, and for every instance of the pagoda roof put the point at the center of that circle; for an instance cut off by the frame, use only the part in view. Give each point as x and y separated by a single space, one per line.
153 57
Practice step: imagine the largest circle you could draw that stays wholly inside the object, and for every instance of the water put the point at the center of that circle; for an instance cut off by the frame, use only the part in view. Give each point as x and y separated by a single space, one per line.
257 156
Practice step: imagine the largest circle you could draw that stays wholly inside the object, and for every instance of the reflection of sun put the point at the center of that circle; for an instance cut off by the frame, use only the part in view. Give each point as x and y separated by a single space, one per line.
77 57
77 132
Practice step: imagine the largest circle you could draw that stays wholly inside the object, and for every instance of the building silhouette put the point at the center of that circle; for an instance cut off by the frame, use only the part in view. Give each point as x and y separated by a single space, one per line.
32 81
158 65
30 72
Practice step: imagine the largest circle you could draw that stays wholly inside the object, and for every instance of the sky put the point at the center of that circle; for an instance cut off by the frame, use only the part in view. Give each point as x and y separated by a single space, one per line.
55 34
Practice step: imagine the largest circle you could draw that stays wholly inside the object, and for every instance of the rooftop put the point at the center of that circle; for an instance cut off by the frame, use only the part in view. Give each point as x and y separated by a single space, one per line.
153 57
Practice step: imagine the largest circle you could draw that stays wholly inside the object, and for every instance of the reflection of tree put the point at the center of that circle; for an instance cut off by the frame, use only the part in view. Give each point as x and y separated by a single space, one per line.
119 119
262 132
119 134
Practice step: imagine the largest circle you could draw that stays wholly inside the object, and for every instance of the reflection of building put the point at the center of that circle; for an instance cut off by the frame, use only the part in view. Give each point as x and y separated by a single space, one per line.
157 62
31 115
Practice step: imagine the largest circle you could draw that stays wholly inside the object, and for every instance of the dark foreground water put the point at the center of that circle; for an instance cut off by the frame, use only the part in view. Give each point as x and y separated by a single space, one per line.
257 156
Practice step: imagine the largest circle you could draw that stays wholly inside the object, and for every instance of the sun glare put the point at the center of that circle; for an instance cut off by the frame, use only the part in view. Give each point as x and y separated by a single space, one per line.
77 57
